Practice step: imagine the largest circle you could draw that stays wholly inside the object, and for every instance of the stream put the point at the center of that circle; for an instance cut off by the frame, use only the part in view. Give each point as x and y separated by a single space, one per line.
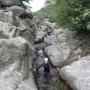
52 82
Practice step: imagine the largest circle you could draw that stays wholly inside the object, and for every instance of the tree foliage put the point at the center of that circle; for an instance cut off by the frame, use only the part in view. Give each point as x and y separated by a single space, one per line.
74 14
47 12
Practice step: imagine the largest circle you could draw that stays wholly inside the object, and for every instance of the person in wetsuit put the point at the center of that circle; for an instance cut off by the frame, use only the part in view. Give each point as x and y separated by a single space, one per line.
47 64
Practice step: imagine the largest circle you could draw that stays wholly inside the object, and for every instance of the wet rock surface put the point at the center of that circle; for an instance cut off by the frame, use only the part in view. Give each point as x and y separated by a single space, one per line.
46 83
52 82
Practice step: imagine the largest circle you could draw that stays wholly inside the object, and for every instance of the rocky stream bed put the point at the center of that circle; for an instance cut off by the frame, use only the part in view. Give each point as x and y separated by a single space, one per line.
52 82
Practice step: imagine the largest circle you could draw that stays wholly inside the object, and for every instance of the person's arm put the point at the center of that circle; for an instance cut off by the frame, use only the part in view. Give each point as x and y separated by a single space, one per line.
52 65
40 66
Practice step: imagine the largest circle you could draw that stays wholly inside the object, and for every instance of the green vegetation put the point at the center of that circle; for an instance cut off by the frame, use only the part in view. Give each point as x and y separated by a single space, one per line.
73 14
46 13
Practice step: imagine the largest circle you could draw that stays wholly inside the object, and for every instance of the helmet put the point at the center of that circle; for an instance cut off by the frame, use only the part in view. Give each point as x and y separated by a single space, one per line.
46 60
40 51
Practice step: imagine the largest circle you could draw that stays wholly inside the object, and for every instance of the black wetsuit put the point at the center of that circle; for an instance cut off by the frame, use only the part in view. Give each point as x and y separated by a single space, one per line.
46 67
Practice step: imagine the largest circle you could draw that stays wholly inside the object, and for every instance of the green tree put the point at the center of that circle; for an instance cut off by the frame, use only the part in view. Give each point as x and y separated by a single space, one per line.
74 14
47 12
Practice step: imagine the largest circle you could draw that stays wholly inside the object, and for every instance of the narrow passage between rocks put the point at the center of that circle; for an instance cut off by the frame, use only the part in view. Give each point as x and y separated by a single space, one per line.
52 82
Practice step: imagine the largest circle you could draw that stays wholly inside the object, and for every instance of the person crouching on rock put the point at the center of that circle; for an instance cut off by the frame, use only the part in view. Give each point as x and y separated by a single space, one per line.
47 64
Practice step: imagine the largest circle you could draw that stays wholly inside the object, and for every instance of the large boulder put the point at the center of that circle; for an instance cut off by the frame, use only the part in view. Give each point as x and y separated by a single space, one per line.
57 55
15 65
77 75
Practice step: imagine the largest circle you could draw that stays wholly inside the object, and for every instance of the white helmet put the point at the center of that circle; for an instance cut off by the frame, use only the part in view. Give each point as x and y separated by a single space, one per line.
46 60
40 51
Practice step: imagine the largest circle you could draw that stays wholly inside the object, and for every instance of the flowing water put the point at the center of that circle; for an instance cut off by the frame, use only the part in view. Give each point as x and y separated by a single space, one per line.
52 82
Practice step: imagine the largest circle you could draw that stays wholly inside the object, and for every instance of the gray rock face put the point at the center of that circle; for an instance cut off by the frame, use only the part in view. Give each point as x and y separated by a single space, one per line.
18 11
6 16
25 30
50 40
13 26
15 65
6 23
77 75
16 52
50 25
7 28
57 55
40 35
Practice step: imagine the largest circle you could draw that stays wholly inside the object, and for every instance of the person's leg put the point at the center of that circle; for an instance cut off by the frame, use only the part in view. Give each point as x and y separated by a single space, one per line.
45 74
48 73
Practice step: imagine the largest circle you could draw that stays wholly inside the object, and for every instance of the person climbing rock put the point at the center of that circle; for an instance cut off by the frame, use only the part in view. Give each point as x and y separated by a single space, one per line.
47 64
